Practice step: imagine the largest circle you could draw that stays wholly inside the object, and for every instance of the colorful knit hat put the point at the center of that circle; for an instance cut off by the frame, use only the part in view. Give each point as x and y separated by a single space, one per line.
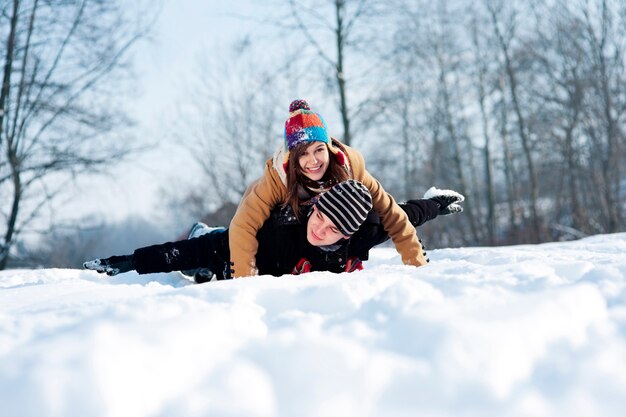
304 125
347 205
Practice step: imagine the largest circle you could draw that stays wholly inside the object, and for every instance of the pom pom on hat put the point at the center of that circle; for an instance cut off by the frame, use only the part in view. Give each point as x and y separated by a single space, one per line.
304 125
299 104
346 205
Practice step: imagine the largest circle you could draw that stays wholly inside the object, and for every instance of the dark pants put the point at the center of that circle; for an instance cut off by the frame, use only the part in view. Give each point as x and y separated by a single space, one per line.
207 251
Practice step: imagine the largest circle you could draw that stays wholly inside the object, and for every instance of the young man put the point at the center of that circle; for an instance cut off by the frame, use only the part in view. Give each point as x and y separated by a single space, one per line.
338 233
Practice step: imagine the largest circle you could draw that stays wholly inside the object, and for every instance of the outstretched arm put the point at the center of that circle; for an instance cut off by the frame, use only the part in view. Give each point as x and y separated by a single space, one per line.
393 218
435 203
206 251
419 211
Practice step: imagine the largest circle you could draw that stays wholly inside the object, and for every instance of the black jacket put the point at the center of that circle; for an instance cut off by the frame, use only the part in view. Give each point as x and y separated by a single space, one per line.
282 243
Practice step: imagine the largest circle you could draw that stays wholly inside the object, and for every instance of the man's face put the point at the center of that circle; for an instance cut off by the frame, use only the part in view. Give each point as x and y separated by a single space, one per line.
321 231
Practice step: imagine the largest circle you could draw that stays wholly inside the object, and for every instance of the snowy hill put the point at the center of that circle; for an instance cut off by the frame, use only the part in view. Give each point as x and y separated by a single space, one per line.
510 331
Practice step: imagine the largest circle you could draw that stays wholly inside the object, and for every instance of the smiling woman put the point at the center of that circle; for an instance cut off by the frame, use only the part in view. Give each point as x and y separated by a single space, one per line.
308 163
313 160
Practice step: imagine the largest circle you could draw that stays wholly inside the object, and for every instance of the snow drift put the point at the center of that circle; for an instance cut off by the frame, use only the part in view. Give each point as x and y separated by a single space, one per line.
534 330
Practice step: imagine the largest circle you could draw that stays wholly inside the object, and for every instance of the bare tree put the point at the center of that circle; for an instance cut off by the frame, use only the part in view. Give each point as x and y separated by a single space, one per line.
339 39
602 25
544 88
560 62
426 33
581 106
403 108
59 116
481 67
504 28
229 122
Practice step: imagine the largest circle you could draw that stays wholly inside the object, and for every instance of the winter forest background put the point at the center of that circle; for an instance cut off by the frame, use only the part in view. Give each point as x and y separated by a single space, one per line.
519 105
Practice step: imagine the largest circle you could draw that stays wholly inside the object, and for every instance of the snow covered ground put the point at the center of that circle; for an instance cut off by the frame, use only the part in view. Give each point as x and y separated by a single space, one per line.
510 331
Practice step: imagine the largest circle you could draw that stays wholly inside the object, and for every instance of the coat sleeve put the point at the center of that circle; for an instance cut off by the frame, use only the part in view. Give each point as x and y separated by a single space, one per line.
254 209
394 220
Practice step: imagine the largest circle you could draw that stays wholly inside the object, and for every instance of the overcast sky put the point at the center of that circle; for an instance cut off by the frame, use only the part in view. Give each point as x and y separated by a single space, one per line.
185 29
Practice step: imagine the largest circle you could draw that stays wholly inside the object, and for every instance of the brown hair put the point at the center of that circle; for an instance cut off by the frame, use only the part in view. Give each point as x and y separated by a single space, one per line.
335 173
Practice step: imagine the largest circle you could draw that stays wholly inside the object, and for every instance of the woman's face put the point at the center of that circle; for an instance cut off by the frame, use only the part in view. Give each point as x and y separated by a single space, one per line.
314 161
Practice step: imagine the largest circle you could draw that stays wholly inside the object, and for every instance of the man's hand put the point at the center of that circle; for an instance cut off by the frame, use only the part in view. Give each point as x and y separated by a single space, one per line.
302 267
111 266
447 200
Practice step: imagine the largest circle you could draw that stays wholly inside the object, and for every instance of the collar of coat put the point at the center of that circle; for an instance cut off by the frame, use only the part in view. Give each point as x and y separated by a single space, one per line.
281 158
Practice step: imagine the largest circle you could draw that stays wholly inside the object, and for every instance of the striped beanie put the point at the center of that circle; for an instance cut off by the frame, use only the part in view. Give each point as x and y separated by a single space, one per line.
303 125
346 205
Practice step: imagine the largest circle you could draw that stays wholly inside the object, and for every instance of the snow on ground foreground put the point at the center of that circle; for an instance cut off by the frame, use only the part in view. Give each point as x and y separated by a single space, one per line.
510 331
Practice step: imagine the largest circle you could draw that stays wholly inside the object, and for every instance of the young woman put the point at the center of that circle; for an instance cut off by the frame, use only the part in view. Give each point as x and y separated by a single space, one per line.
309 163
326 241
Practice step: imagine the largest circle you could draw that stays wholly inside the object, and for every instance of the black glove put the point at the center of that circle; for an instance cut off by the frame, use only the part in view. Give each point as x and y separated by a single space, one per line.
447 200
111 266
447 204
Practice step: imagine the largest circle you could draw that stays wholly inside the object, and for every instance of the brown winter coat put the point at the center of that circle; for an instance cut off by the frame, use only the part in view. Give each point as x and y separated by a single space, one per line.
270 191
